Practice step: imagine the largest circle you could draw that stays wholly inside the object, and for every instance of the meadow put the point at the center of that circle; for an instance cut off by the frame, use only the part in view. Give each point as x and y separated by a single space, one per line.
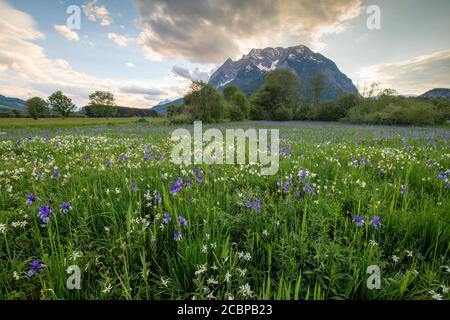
102 195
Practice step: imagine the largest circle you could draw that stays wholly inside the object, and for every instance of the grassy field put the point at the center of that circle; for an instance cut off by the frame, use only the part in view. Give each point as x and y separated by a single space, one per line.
8 123
107 199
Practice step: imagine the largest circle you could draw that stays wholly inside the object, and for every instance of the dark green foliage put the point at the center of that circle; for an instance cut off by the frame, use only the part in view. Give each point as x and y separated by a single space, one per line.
317 87
229 91
204 102
278 98
397 110
37 107
102 105
173 110
238 107
61 104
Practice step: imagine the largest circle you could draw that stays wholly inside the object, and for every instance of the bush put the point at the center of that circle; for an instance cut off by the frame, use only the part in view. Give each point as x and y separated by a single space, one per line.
183 118
396 110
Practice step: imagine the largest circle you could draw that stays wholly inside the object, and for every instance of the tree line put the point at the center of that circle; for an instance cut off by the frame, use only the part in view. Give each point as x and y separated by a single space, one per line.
280 99
101 105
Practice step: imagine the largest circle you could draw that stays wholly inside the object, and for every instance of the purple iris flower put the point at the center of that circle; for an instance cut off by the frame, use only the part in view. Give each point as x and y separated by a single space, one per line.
167 218
44 213
147 157
309 188
188 183
376 222
157 198
442 176
65 207
176 186
359 219
403 190
199 176
30 199
109 164
176 235
86 157
182 220
134 187
362 162
36 267
255 205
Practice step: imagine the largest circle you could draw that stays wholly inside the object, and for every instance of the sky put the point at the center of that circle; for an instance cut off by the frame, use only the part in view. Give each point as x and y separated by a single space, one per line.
147 51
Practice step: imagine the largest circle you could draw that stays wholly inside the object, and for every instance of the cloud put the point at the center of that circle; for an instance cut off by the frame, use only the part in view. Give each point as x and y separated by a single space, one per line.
121 41
26 71
130 64
67 33
414 76
143 90
192 75
209 31
99 13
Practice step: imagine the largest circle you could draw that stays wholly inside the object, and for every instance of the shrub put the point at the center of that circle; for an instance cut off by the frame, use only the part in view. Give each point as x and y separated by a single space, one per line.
183 118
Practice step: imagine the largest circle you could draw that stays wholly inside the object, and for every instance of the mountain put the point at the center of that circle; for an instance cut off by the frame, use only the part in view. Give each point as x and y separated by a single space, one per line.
8 104
161 107
437 93
248 73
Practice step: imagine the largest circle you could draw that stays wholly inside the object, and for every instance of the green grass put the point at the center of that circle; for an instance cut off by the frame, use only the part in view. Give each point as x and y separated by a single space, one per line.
302 245
7 123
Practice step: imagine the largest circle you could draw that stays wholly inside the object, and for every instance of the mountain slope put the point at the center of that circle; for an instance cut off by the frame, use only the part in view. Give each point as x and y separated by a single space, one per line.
161 108
248 73
436 93
8 104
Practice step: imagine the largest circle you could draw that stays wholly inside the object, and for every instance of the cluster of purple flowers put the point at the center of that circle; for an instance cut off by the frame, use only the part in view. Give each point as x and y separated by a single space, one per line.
45 212
36 267
157 198
177 186
198 175
359 220
253 205
303 185
65 207
182 222
361 162
286 151
123 157
30 199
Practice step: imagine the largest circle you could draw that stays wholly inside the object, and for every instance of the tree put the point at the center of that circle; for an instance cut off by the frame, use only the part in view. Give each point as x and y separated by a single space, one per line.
229 91
204 102
239 107
173 110
36 107
317 88
278 98
102 104
102 98
61 103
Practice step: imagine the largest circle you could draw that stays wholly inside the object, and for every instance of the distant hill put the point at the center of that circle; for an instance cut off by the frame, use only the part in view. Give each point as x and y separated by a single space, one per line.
8 104
437 93
161 107
249 73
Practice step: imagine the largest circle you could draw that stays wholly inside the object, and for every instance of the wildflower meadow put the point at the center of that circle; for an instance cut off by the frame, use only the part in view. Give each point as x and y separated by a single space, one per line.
100 212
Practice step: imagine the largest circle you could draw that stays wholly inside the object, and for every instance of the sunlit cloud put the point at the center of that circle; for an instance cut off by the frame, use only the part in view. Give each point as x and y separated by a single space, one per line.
66 32
414 76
